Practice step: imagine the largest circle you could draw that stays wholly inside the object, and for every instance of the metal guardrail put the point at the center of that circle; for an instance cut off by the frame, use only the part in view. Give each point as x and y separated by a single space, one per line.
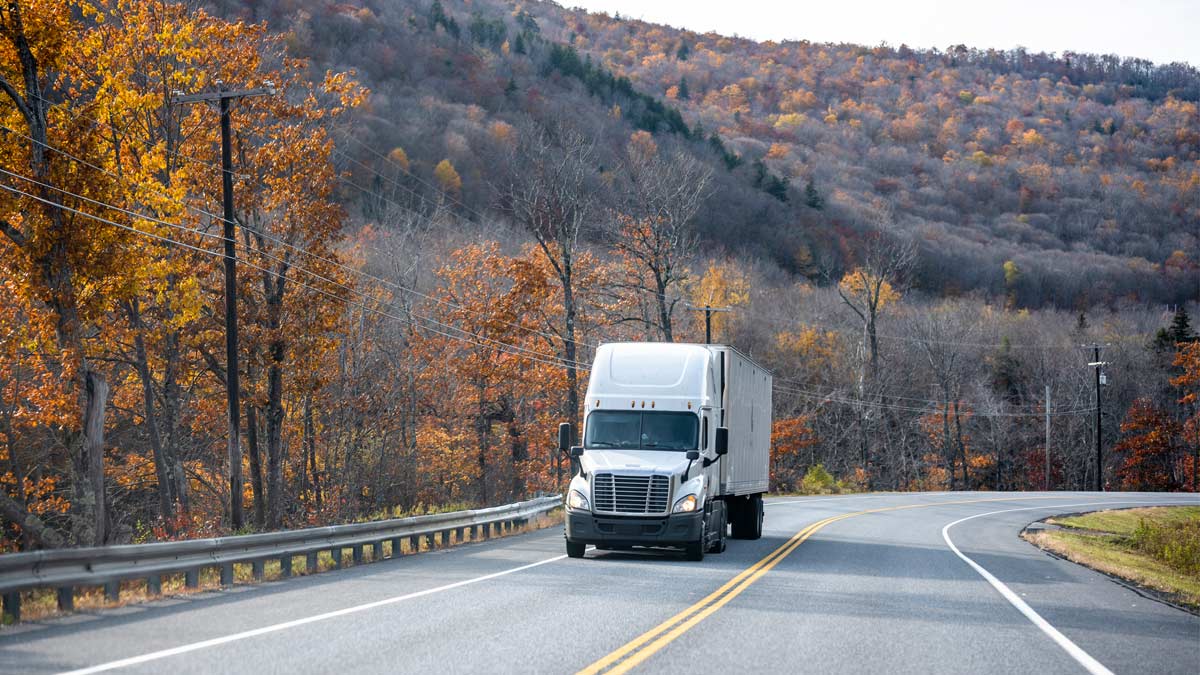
108 566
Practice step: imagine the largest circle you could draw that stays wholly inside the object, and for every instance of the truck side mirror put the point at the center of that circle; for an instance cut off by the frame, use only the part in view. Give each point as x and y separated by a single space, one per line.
576 451
564 436
722 441
693 455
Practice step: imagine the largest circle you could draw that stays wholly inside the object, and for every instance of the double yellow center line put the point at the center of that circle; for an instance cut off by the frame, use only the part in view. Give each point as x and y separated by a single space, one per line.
637 650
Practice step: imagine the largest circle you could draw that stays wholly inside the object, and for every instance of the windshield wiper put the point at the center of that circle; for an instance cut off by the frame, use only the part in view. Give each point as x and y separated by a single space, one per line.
602 444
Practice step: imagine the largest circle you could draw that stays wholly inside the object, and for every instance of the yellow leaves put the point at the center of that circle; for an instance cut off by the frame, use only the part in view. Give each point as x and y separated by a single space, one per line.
447 177
400 157
724 284
789 121
1011 273
642 146
865 286
503 133
814 347
1032 139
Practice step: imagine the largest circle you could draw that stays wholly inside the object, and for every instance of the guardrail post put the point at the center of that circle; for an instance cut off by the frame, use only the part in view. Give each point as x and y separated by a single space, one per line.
414 544
397 547
357 549
256 569
474 533
310 563
285 567
459 533
66 598
154 584
227 574
445 538
191 578
377 551
431 540
112 591
337 557
12 605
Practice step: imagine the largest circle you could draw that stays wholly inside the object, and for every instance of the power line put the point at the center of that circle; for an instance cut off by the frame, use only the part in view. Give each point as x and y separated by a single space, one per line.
301 250
465 336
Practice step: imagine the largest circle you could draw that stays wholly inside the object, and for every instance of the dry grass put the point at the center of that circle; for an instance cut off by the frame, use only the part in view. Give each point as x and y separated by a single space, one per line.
40 604
1153 548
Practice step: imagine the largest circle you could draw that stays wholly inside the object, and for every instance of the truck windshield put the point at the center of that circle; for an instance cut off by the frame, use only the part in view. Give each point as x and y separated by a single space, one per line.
649 430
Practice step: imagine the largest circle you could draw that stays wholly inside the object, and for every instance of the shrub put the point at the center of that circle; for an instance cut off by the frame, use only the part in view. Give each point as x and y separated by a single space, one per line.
1175 544
818 481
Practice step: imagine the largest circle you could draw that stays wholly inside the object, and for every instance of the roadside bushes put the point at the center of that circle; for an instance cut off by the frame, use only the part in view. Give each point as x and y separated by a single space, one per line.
1176 544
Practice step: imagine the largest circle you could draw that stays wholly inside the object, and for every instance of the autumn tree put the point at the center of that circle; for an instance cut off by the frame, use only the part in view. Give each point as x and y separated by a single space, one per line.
72 261
550 193
655 234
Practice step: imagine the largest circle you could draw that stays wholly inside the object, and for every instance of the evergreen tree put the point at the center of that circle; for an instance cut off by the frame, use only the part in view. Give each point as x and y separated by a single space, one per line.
683 52
519 44
1181 326
683 89
511 87
812 198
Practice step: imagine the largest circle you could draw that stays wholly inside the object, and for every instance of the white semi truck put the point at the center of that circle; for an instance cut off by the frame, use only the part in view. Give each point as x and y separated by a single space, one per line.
675 452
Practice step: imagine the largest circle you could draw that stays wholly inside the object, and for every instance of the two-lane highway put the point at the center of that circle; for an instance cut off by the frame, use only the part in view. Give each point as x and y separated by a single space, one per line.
929 582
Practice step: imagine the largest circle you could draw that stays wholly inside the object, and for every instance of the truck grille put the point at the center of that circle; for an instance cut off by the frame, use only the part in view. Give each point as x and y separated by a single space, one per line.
615 493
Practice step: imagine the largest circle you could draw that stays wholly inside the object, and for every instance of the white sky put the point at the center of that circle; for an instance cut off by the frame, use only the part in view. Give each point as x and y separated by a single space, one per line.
1160 30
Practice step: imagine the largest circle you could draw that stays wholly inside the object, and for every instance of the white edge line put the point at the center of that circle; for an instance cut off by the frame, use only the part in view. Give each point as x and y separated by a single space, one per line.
1076 652
183 649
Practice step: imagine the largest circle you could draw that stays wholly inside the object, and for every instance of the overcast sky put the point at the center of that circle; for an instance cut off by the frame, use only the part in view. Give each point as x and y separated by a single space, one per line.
1160 30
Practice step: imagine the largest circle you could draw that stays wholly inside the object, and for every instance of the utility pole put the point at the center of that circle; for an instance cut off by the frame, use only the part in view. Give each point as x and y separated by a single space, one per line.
708 312
1047 481
1098 365
223 97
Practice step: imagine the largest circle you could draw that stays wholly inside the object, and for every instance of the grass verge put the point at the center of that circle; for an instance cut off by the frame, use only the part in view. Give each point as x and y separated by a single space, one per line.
1156 548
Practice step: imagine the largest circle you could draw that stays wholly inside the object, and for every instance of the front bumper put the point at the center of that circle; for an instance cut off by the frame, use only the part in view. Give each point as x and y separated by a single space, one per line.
673 530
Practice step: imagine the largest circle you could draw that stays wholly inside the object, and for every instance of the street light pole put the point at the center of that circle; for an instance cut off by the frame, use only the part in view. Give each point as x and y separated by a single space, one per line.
223 97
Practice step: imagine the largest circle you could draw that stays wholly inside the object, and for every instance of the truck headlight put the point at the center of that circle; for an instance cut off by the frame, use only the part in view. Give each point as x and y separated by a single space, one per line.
685 505
576 500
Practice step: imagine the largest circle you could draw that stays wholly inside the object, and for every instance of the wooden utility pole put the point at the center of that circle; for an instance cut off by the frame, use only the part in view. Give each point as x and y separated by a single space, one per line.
1098 365
223 97
708 312
1046 483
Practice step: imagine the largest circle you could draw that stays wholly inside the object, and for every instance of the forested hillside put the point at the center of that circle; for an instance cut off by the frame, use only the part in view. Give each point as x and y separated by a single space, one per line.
1061 164
445 206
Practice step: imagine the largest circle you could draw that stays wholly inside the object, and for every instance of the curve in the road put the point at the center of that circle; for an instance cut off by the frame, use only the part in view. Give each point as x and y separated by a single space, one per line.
634 652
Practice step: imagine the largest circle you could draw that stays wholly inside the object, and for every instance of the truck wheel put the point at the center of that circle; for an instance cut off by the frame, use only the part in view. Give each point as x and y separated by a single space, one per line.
718 545
754 514
694 551
575 549
739 511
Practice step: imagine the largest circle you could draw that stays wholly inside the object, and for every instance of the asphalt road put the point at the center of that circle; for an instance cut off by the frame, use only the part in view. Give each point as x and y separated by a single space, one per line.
868 583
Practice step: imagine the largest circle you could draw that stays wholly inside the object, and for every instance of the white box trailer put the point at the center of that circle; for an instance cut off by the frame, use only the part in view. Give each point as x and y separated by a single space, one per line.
746 405
675 449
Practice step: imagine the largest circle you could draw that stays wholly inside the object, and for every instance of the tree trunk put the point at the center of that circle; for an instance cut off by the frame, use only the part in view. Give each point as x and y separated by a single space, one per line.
256 473
89 465
664 316
162 465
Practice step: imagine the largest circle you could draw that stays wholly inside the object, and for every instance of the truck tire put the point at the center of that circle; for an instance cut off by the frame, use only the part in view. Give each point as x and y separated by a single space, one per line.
718 545
575 549
740 518
694 551
754 514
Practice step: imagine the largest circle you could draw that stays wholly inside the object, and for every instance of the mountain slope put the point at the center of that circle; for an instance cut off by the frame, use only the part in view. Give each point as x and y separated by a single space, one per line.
1062 165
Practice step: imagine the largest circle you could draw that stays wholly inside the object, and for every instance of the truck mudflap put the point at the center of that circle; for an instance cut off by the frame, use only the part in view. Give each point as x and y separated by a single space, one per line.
674 530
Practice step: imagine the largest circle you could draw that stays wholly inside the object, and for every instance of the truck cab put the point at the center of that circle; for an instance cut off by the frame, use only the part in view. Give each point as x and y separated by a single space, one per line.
654 467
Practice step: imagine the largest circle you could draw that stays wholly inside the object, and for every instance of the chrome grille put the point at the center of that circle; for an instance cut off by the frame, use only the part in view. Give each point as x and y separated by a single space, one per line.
617 493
